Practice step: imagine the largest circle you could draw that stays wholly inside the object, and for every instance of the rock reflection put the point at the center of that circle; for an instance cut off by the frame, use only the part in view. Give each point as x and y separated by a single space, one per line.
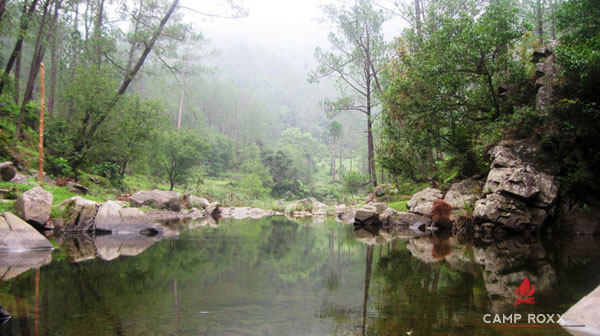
84 246
13 264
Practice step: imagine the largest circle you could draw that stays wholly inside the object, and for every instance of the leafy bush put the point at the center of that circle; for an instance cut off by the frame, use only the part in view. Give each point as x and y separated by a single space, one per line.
110 170
354 181
57 166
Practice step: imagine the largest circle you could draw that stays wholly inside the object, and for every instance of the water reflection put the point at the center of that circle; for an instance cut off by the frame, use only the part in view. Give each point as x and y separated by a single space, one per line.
276 276
14 264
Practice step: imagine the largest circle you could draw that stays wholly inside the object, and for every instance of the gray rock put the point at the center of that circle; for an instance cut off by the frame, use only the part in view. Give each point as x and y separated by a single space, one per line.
585 312
365 213
80 214
199 202
77 188
35 205
19 179
159 199
17 235
340 208
526 182
504 157
422 202
409 219
7 171
511 212
113 217
463 193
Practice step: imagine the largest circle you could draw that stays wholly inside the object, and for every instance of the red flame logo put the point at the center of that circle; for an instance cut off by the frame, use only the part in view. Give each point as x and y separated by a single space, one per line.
525 292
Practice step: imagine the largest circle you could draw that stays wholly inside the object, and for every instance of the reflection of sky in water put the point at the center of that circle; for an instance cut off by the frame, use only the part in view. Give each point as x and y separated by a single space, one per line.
273 276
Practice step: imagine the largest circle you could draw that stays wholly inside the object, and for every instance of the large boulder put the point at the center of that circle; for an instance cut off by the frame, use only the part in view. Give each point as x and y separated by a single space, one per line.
160 199
525 183
510 212
463 193
79 214
520 195
197 202
585 312
17 235
7 171
112 217
35 205
422 202
365 213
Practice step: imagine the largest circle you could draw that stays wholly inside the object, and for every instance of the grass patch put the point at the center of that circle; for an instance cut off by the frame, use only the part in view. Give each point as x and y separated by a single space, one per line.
6 205
399 206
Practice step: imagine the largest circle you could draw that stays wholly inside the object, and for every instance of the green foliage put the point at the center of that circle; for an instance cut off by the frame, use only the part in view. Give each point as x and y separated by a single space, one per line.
578 52
220 153
283 172
253 185
109 170
399 206
57 166
179 152
443 88
354 181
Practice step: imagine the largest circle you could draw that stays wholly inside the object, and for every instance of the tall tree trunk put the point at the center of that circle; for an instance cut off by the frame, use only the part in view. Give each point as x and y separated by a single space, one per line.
98 33
17 95
129 77
540 21
341 158
82 145
333 162
53 59
418 17
133 42
2 9
25 19
38 56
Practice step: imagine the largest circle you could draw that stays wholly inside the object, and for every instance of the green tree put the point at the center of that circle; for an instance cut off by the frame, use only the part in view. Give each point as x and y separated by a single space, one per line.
357 57
180 151
335 131
578 52
444 85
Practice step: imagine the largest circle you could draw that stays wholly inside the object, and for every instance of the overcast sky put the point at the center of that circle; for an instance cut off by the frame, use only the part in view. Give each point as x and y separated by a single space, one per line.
290 24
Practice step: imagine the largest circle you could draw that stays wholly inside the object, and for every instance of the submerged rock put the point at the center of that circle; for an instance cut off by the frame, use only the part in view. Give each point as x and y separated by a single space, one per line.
17 235
35 205
159 199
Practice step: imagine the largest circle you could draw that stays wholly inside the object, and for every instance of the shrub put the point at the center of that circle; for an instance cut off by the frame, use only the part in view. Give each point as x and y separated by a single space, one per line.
58 167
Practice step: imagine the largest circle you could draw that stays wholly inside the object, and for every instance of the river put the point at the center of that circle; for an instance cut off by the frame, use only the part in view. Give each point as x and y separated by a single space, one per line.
276 276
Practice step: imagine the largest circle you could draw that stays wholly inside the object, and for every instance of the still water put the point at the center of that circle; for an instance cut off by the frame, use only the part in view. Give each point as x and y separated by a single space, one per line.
276 276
